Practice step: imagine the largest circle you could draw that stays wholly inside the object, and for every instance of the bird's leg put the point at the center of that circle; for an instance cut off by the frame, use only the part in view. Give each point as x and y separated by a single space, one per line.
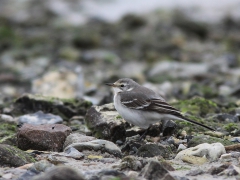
144 134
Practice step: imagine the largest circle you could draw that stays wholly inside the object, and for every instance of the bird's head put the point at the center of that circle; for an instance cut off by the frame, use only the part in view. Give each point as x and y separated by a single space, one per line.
124 84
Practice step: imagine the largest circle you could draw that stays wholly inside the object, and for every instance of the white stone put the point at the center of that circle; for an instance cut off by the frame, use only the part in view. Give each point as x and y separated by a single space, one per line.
211 151
181 147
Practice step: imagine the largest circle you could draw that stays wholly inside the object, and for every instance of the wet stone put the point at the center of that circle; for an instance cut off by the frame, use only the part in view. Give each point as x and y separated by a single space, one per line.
105 123
40 118
13 157
42 137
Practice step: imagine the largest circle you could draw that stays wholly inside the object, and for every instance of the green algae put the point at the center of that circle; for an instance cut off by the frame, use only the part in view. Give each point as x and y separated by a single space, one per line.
231 127
207 139
196 106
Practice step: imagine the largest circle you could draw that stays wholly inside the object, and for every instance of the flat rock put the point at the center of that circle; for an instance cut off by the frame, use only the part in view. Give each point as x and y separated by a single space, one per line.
42 137
105 122
211 151
77 138
97 145
13 157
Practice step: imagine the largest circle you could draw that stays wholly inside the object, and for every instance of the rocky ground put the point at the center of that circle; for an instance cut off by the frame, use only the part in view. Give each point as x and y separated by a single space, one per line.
57 120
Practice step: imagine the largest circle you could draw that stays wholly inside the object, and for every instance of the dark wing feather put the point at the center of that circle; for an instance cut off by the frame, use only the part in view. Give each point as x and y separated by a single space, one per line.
140 101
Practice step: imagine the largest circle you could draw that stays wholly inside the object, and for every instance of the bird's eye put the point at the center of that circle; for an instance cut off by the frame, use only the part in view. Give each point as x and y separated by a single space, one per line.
122 85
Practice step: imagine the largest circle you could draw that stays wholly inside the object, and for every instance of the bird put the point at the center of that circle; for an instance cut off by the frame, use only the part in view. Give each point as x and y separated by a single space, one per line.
142 106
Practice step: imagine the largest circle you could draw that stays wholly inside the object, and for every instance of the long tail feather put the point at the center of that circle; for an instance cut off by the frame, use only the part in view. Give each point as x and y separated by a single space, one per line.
194 122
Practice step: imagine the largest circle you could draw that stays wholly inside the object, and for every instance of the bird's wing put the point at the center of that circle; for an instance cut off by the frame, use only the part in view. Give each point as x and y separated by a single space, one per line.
140 101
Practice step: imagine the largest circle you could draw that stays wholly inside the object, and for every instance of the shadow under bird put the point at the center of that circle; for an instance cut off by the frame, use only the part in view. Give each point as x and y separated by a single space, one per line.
142 106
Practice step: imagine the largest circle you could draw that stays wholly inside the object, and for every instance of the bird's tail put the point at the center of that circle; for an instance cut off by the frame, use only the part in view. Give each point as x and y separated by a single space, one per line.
194 122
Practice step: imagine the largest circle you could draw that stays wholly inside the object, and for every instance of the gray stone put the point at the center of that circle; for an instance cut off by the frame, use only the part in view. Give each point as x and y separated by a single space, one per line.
77 138
74 153
6 118
97 145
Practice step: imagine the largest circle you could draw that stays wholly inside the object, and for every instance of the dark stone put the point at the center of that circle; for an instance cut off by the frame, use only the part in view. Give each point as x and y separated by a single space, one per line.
168 127
66 108
132 144
86 39
13 157
42 137
154 170
60 173
131 21
105 123
151 150
197 29
217 170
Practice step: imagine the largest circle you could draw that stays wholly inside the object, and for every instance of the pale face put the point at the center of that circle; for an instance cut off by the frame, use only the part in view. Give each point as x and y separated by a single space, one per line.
120 86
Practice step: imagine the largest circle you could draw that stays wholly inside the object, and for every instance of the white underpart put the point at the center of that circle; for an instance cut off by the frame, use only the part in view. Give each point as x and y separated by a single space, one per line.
116 90
142 119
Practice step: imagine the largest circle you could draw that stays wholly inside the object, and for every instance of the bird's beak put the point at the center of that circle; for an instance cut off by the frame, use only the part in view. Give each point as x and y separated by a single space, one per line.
111 84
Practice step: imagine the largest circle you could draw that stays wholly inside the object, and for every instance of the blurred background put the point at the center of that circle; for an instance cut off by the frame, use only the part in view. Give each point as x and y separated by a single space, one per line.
69 49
